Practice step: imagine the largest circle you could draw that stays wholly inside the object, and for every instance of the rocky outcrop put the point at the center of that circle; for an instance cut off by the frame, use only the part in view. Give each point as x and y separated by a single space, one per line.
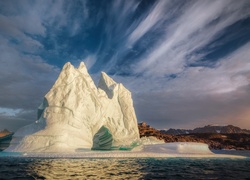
147 131
238 141
229 129
176 131
4 132
5 138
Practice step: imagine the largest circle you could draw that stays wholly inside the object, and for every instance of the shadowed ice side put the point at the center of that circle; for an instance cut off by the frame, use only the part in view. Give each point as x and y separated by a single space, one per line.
78 119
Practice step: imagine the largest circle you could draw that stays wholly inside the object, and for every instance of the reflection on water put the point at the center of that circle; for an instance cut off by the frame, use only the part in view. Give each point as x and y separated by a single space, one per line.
85 169
127 168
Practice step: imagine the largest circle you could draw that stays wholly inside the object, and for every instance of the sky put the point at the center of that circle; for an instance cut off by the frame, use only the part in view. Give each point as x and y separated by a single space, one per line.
186 62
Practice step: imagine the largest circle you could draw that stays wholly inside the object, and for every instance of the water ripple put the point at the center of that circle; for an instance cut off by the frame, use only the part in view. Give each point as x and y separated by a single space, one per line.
148 168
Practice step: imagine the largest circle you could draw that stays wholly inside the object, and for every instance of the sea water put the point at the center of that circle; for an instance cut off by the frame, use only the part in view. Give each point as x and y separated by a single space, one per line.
17 167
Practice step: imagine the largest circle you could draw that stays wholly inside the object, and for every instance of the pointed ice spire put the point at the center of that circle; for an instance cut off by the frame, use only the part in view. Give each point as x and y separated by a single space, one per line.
107 84
82 68
84 71
105 79
66 76
67 66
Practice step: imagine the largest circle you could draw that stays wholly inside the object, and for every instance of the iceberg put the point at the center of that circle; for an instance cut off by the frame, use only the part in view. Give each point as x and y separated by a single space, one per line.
166 150
75 114
82 120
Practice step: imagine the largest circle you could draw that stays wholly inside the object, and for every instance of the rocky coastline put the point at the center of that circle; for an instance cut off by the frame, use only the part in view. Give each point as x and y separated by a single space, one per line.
232 141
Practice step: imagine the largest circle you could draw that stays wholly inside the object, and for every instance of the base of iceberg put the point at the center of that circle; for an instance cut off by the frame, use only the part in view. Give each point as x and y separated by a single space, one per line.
167 150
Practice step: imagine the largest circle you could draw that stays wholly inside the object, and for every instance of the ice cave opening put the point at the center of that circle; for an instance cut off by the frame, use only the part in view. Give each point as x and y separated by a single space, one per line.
103 139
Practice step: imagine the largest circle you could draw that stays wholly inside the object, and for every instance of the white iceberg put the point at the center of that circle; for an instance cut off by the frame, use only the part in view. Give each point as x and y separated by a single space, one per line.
75 111
78 119
167 150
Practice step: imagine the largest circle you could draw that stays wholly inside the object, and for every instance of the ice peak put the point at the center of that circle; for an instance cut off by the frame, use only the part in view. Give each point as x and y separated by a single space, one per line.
106 79
68 66
107 84
82 68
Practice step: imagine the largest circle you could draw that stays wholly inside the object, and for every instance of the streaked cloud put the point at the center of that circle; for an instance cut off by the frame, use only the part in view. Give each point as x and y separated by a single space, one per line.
200 95
186 62
198 25
154 18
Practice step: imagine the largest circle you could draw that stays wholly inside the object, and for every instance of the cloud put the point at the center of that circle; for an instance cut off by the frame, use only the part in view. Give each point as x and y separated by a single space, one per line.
197 25
24 80
22 77
167 90
151 20
167 110
160 50
25 75
15 121
199 96
90 61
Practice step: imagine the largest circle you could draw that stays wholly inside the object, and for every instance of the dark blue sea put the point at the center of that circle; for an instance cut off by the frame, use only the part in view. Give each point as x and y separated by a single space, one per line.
12 167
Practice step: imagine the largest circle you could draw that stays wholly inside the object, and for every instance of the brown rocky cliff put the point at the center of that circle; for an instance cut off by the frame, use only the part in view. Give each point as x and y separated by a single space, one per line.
147 130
